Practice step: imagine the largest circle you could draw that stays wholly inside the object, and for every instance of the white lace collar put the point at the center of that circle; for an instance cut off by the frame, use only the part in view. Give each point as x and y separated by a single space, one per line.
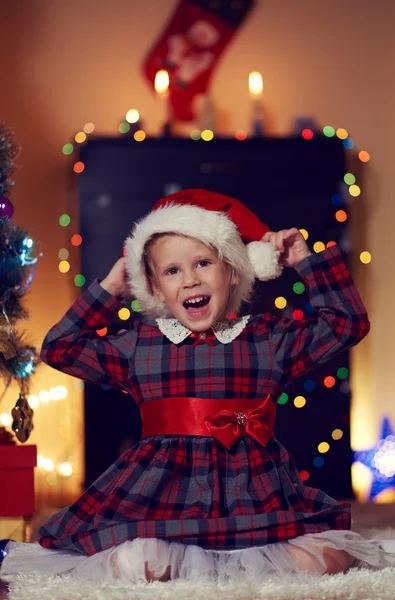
224 331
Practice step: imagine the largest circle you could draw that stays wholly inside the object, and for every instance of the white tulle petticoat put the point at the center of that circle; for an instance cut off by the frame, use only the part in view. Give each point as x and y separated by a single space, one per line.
127 561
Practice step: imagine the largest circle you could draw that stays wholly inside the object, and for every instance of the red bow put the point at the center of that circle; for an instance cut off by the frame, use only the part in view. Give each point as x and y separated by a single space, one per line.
227 426
205 336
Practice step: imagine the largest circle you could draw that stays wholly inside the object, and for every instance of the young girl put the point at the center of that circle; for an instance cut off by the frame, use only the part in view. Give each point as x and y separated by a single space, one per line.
208 492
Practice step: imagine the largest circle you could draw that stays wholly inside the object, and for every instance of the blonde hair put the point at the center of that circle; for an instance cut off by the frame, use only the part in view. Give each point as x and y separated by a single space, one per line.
240 269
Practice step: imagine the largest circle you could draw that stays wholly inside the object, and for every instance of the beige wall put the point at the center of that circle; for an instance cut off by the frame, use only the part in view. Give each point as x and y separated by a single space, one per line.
65 63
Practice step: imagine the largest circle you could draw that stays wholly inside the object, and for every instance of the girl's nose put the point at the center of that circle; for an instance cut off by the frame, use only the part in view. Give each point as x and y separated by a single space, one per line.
191 278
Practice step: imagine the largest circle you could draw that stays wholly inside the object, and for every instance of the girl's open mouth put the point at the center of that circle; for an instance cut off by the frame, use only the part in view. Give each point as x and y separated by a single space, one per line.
197 307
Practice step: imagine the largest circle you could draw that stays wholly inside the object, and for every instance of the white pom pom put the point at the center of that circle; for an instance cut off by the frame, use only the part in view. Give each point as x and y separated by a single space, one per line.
264 259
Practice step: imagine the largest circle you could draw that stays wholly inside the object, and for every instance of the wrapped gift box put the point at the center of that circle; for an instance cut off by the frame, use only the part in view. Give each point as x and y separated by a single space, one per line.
17 480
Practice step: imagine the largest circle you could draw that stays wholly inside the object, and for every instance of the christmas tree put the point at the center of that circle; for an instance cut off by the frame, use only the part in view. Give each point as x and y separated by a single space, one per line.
18 359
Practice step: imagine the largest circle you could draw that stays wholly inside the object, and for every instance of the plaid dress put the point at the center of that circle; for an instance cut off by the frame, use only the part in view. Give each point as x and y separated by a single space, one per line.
191 489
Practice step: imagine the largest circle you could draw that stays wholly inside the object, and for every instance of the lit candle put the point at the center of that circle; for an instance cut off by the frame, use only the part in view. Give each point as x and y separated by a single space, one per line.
162 89
255 85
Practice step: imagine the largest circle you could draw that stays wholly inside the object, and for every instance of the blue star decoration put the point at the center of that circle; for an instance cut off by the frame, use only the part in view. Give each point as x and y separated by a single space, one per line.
380 460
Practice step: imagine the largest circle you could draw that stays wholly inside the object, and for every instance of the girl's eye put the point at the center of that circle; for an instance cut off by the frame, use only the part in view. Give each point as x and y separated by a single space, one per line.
171 271
203 263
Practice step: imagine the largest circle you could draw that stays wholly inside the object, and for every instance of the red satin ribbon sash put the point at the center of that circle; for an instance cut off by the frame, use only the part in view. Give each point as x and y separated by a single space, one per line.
226 420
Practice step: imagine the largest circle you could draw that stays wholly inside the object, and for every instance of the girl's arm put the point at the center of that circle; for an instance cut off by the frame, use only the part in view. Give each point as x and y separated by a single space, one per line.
340 321
74 347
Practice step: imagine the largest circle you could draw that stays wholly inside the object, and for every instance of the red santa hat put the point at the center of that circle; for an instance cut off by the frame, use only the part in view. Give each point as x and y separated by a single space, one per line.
216 220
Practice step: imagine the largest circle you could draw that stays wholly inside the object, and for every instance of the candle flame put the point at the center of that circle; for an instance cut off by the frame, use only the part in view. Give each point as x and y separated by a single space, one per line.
255 83
161 82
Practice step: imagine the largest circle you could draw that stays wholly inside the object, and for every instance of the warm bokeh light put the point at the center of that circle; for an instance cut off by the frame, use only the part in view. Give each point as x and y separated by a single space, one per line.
161 82
124 313
330 244
64 266
341 216
140 135
33 401
305 233
365 257
5 419
298 314
364 156
341 133
132 116
89 128
48 464
65 469
329 381
76 239
241 135
207 135
78 167
255 83
280 302
63 254
307 134
44 396
304 475
80 137
319 247
323 447
337 434
354 190
300 402
102 332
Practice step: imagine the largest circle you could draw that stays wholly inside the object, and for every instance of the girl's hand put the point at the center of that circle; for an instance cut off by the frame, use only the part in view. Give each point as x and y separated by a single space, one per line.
290 243
116 281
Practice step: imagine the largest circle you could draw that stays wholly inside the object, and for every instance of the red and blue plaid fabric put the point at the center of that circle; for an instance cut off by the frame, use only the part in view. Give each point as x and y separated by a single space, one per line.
190 489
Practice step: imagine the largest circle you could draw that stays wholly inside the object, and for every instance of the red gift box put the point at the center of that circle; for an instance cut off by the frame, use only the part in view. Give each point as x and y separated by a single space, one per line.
17 480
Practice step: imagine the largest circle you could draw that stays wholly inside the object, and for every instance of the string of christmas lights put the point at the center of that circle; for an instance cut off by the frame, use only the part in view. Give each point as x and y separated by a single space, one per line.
132 127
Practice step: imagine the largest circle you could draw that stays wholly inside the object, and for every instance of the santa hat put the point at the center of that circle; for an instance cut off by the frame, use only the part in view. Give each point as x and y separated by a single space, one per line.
216 220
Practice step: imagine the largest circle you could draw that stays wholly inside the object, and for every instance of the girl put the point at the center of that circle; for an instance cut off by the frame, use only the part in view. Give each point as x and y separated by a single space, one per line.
208 492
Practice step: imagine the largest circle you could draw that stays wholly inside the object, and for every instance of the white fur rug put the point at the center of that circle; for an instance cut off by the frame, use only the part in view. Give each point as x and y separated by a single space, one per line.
357 584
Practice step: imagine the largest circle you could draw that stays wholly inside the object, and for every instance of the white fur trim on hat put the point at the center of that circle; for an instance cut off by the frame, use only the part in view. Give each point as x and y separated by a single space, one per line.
264 259
213 228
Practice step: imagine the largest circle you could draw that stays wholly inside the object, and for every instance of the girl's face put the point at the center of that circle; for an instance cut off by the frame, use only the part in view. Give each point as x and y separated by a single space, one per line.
191 279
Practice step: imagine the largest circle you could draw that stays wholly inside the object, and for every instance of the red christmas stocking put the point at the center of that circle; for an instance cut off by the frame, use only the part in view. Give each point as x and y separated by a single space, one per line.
190 47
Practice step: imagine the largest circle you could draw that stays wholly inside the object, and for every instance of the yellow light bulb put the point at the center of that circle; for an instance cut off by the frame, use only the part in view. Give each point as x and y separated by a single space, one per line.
323 447
365 257
319 247
300 402
124 314
280 302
